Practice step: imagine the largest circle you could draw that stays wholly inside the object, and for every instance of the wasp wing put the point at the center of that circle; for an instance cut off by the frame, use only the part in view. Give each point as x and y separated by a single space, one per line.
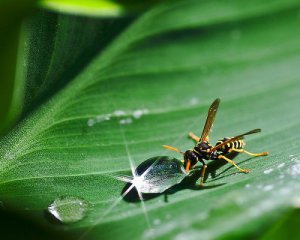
235 138
210 119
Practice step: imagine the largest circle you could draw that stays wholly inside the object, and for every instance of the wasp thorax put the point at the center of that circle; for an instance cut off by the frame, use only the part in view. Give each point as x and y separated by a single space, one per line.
203 147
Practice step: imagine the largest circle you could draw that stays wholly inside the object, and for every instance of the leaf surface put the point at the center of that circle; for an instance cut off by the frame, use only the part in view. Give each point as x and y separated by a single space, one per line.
170 65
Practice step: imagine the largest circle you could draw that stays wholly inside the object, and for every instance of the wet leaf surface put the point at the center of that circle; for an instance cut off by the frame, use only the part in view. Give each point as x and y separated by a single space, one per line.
170 65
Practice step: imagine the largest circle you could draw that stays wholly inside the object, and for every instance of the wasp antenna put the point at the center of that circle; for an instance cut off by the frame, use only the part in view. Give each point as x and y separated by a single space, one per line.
172 148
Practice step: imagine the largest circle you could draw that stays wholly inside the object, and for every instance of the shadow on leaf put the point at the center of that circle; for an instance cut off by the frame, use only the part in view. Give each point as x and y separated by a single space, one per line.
189 182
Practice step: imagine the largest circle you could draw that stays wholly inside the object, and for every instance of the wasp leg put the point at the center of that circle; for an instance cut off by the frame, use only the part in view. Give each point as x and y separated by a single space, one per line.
194 137
233 163
202 175
197 139
188 165
249 153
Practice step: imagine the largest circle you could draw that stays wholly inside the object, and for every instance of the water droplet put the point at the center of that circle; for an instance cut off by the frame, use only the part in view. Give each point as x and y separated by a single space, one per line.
281 165
126 121
268 171
194 101
157 174
268 187
139 112
101 118
295 170
119 113
9 156
91 122
68 209
295 158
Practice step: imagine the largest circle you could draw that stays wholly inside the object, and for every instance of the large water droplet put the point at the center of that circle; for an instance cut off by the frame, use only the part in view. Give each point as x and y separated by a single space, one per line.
68 209
158 174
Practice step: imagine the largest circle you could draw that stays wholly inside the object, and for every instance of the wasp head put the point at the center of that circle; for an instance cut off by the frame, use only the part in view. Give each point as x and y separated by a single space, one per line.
190 159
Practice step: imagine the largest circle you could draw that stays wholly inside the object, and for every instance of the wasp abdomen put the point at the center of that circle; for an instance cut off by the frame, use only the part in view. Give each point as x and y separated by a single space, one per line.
238 144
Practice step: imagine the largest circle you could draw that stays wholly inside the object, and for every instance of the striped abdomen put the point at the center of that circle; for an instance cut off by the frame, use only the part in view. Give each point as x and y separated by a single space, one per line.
238 144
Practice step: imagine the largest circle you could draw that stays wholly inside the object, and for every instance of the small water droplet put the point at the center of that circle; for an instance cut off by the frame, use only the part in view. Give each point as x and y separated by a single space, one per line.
139 112
281 165
295 169
68 209
9 156
101 118
119 113
91 122
126 121
268 187
194 101
268 171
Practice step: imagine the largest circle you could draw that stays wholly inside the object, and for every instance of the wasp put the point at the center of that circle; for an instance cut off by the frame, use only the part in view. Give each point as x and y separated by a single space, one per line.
203 150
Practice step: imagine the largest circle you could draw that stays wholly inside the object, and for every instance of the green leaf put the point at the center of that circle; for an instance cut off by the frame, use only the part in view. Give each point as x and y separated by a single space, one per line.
287 227
91 7
102 8
169 66
11 60
16 226
65 44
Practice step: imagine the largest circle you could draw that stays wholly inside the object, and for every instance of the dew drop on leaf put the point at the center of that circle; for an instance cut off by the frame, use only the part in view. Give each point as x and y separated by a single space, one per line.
68 209
119 113
157 174
126 121
268 171
91 122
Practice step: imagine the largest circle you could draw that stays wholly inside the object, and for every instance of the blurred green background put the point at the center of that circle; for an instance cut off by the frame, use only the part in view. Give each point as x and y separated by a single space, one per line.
90 87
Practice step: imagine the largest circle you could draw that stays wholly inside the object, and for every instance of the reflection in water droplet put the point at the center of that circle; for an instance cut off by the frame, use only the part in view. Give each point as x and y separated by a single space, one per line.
68 209
161 173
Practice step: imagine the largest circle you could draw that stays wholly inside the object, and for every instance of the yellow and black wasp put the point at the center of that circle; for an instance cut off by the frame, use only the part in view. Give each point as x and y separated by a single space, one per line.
205 151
